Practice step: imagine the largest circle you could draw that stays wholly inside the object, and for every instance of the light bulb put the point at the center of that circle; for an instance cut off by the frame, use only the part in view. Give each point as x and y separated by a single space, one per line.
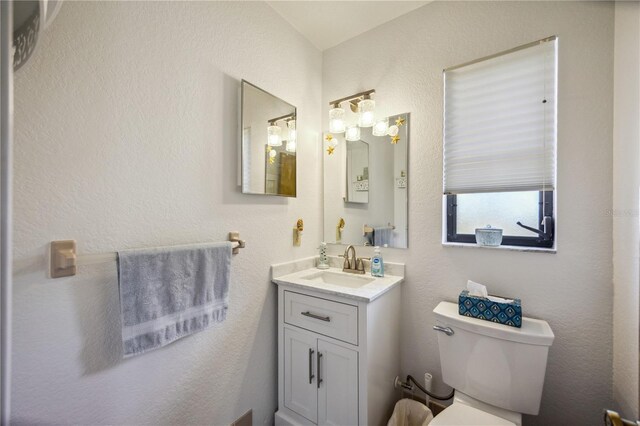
291 145
272 153
293 134
336 120
380 127
365 112
352 133
393 130
274 136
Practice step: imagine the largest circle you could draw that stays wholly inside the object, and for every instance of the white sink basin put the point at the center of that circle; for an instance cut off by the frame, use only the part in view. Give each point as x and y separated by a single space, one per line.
341 279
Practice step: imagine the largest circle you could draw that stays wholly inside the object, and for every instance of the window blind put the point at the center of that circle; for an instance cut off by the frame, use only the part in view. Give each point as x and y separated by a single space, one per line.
500 122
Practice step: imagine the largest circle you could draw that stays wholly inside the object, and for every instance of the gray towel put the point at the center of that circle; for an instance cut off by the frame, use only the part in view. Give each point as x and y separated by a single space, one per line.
382 236
368 238
171 292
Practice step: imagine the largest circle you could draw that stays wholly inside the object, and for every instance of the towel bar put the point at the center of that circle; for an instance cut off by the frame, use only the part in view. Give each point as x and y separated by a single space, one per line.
366 228
64 258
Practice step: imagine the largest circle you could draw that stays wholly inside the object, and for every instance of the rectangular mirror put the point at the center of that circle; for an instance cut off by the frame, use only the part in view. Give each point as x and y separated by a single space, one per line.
365 187
268 144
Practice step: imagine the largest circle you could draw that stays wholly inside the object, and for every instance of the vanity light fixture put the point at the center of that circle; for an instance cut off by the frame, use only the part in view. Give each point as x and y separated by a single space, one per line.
274 132
291 125
352 133
293 136
274 135
380 127
360 103
336 119
365 112
291 145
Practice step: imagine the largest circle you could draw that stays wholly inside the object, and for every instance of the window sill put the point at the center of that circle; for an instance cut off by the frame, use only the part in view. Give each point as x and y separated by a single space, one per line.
510 248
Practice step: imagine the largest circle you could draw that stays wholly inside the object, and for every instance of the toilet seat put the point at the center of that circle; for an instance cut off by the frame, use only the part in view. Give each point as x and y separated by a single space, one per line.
464 415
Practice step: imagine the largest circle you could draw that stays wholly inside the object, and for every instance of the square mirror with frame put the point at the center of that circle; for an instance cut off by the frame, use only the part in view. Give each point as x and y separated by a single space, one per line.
268 143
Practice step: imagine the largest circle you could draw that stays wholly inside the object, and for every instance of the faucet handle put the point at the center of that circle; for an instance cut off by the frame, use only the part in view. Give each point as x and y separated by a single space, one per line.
346 264
359 264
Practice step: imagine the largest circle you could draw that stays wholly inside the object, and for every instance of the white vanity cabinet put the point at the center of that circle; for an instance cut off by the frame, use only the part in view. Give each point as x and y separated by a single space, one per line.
338 355
320 379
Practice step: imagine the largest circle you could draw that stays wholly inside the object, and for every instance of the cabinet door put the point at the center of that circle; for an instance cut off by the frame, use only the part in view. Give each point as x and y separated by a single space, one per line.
300 391
338 385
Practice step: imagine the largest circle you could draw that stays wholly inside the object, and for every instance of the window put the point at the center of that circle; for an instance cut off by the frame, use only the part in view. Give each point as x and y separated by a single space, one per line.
465 212
500 145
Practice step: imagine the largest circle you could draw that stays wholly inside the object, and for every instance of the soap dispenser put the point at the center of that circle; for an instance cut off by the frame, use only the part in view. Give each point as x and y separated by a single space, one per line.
377 264
323 260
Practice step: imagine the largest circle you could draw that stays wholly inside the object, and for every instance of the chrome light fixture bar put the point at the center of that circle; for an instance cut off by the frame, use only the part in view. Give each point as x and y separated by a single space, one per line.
353 98
285 117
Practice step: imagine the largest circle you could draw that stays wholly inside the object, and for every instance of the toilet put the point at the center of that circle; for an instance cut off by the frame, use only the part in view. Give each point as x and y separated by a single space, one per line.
497 371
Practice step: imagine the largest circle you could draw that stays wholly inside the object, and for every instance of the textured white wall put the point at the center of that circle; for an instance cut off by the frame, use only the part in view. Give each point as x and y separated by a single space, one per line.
403 60
126 136
625 213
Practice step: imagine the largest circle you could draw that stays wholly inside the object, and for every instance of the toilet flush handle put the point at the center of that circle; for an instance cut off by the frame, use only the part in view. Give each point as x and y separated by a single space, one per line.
446 330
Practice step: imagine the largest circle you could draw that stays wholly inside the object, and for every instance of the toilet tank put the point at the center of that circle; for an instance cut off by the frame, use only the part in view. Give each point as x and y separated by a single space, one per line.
494 363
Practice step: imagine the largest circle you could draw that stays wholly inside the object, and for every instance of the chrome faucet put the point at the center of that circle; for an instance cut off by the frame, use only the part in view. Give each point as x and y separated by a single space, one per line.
353 265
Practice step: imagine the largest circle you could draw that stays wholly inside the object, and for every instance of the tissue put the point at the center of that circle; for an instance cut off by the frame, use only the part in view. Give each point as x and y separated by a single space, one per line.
497 299
479 290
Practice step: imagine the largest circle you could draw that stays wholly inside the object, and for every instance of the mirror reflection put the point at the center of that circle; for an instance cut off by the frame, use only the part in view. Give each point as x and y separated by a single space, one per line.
365 186
269 139
357 172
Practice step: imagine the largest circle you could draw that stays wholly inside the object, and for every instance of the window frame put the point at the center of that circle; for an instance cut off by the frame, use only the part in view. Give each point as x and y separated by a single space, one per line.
545 208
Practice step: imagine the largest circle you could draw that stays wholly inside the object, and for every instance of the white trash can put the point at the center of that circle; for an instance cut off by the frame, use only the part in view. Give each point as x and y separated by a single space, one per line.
408 412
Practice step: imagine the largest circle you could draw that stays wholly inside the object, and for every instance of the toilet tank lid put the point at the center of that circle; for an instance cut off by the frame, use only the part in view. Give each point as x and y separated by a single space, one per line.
532 332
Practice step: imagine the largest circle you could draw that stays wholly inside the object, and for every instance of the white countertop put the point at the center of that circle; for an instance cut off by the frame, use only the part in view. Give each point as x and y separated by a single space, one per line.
366 293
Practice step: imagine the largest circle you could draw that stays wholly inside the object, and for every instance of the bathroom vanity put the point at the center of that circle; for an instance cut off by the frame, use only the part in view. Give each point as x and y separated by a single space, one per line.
338 344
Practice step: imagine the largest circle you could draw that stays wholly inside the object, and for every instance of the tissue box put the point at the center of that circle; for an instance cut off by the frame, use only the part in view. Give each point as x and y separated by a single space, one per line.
484 309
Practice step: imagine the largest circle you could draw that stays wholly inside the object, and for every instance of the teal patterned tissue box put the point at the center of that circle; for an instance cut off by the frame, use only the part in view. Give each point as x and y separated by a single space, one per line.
484 309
